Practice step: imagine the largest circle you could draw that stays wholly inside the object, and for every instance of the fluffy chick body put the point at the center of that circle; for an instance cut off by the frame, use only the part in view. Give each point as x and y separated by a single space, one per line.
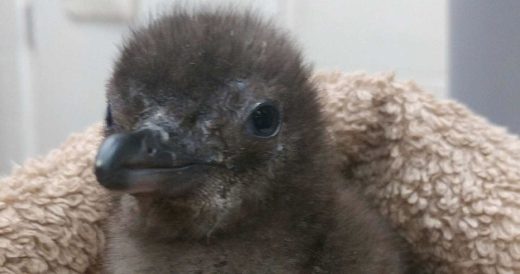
259 205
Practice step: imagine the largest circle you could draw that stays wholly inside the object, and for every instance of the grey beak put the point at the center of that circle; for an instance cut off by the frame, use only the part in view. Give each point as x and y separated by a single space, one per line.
141 162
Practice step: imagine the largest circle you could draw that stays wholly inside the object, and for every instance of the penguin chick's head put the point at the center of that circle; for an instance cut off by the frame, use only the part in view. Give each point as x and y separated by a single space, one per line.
210 116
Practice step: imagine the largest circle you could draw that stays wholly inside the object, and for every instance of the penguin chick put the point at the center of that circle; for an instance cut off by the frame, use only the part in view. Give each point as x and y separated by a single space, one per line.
218 152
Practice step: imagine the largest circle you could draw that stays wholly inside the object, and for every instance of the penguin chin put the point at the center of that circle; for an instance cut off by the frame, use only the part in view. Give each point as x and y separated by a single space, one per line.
196 215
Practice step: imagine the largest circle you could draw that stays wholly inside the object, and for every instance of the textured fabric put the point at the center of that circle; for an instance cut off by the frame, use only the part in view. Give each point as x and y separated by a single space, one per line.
51 211
446 179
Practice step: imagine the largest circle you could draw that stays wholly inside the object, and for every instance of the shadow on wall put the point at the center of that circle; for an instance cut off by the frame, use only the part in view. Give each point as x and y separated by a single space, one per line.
485 58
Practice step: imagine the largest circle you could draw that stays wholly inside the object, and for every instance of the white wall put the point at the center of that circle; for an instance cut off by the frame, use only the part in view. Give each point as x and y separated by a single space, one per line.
14 85
71 62
405 36
55 85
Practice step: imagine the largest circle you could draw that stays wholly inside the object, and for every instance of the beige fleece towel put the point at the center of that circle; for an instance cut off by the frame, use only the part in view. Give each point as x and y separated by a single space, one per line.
52 209
446 179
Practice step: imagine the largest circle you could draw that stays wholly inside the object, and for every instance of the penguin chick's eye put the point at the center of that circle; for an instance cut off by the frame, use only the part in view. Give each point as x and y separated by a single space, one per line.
264 120
108 117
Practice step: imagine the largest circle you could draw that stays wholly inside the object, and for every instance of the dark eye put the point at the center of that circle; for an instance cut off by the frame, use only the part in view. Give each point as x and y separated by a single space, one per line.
108 117
264 120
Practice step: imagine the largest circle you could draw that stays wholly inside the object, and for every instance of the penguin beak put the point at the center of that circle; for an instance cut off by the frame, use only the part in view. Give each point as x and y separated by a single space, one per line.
142 161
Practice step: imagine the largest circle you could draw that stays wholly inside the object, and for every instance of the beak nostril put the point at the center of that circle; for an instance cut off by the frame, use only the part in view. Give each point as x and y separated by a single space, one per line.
151 151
